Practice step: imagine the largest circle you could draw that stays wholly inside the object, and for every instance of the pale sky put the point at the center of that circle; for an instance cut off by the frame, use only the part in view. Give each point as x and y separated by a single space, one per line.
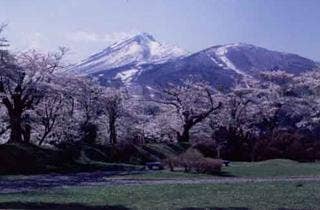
87 26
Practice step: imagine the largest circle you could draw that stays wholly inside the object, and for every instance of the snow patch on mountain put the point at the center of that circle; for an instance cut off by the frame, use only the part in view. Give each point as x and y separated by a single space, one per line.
138 50
219 55
222 52
214 60
127 76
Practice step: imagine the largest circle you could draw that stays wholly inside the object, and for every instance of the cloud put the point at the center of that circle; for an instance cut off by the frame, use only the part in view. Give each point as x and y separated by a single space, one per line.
92 37
36 40
81 43
84 43
80 36
25 41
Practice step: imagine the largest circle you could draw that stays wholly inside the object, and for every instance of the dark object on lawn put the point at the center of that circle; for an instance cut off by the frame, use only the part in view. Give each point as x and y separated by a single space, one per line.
226 162
152 165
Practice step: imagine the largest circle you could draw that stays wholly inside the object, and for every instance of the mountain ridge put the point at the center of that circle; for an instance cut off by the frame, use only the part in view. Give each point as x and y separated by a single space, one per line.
141 60
139 49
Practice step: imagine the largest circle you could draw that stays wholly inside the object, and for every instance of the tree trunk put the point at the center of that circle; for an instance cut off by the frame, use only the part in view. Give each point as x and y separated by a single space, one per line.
185 136
15 110
112 131
26 132
252 156
252 153
43 138
16 129
218 152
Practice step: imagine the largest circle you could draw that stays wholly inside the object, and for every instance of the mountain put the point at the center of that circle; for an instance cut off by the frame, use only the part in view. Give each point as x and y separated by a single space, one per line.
225 65
133 52
249 59
143 61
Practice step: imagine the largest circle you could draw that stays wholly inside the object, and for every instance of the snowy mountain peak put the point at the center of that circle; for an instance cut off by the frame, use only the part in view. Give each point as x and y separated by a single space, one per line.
144 37
137 50
141 61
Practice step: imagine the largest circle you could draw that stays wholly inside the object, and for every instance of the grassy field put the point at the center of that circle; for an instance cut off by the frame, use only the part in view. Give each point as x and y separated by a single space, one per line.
295 195
250 195
269 168
272 168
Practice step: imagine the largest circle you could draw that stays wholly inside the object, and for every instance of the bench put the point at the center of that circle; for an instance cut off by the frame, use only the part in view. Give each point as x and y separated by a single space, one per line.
226 162
152 165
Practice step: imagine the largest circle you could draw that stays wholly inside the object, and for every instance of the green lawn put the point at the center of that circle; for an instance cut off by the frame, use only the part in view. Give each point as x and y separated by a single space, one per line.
269 168
165 174
265 195
295 195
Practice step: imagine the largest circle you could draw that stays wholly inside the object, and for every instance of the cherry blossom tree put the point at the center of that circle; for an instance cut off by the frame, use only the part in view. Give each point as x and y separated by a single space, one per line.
192 102
114 109
23 79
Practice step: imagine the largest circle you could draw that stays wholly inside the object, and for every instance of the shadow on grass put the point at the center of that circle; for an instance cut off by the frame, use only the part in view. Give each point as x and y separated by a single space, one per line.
27 183
216 208
225 174
55 206
226 208
219 174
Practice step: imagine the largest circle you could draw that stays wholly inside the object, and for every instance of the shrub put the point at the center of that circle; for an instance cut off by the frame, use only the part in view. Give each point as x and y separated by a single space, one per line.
193 161
191 155
183 160
208 165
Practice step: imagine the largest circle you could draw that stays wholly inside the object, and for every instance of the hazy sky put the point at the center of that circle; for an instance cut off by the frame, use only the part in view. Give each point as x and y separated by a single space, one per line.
87 26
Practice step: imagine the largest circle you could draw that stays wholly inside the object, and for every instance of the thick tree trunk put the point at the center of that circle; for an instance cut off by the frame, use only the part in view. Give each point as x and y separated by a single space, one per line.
185 136
113 131
16 129
15 110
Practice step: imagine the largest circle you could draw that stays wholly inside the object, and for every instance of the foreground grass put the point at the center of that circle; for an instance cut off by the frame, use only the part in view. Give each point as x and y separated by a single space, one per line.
293 195
266 195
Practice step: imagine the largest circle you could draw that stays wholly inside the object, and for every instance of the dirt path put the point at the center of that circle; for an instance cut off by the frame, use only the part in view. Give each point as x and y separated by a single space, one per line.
45 182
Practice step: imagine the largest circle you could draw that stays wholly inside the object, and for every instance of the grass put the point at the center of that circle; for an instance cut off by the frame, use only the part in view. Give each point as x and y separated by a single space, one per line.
293 195
273 168
164 174
266 195
269 168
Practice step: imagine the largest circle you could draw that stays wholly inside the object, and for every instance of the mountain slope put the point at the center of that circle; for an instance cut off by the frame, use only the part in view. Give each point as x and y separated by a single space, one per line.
249 59
226 65
142 61
140 49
